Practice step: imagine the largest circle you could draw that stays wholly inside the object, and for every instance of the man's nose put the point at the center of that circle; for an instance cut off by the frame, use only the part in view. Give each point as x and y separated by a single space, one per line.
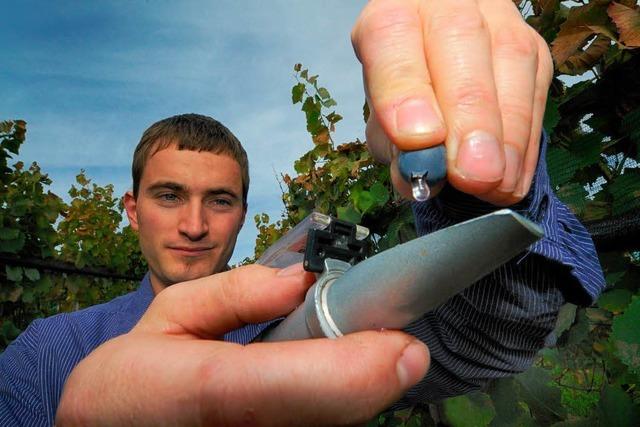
193 222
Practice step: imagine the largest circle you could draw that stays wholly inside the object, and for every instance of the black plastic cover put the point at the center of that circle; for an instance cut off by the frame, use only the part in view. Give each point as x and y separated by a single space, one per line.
338 241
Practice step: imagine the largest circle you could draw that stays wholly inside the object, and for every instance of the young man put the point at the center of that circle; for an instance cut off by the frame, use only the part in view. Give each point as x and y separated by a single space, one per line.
490 72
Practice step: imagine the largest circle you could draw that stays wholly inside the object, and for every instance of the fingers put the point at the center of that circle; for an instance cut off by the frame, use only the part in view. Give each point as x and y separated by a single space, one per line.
458 50
312 382
482 69
543 82
213 305
515 52
388 40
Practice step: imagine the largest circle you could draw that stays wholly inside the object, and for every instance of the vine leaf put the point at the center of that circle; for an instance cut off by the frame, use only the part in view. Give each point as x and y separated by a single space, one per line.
32 274
551 115
348 213
625 190
625 335
13 273
297 92
583 60
615 300
627 20
475 409
542 399
617 408
581 24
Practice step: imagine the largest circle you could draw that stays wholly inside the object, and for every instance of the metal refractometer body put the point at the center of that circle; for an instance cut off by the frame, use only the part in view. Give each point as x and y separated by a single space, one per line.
395 287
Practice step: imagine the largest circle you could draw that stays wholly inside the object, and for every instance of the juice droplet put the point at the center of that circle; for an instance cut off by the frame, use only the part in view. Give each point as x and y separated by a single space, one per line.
419 187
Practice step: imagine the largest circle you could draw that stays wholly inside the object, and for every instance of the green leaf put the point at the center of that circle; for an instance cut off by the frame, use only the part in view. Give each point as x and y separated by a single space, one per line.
304 164
615 300
323 93
616 408
9 233
348 213
380 193
44 284
27 296
13 273
543 399
364 201
509 412
334 118
9 331
561 165
580 329
631 125
12 246
32 274
297 93
312 112
566 317
625 336
551 115
625 190
613 278
470 410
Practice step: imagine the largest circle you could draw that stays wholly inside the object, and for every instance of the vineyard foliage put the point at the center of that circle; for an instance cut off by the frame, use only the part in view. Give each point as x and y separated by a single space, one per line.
57 256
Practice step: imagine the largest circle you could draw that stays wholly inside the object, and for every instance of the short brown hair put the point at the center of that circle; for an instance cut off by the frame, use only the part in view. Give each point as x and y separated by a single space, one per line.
189 132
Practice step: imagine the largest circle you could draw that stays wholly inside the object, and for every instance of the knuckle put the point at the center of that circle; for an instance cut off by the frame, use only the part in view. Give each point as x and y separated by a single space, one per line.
385 20
471 96
458 24
509 42
518 113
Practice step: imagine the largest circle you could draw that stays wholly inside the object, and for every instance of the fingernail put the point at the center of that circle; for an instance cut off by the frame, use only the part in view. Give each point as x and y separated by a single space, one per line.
416 116
413 363
291 270
512 169
480 157
524 187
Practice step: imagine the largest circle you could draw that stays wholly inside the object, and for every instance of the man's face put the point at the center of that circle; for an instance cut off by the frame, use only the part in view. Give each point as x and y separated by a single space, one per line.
188 213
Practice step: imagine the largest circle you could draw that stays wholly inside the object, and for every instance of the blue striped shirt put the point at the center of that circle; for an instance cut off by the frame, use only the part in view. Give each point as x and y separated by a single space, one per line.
491 330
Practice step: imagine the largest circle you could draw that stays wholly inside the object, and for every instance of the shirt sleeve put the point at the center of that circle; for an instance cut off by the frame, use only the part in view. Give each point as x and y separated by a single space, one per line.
20 404
495 327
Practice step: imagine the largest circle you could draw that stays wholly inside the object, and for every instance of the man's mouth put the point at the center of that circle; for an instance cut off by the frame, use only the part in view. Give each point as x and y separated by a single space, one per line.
191 251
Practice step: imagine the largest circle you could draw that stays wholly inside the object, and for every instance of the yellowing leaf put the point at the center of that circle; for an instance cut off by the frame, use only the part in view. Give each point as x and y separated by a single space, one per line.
587 58
627 20
581 23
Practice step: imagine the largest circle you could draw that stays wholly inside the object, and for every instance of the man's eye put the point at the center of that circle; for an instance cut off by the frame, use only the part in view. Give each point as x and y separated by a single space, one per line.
168 197
220 202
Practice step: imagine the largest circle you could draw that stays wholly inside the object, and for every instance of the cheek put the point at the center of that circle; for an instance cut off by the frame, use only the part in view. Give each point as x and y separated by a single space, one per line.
153 226
228 226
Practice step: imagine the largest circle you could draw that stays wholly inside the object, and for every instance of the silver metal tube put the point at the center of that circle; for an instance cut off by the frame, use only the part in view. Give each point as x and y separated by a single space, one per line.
398 286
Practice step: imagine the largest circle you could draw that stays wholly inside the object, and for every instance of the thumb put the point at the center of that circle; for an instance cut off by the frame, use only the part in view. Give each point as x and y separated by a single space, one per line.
315 382
210 306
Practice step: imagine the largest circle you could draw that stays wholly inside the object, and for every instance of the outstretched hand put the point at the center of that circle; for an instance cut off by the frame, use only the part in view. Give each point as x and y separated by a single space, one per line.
469 73
173 369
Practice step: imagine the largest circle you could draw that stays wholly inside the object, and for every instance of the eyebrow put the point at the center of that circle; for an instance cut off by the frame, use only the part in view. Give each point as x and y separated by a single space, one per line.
179 188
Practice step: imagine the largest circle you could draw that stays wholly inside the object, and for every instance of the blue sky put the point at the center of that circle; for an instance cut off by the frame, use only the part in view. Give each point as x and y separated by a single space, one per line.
89 77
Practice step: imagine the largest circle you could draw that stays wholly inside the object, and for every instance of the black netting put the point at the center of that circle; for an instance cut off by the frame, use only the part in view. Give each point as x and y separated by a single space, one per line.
618 233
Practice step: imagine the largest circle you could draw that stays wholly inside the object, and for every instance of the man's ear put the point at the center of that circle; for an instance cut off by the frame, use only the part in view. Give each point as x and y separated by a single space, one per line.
244 216
130 204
